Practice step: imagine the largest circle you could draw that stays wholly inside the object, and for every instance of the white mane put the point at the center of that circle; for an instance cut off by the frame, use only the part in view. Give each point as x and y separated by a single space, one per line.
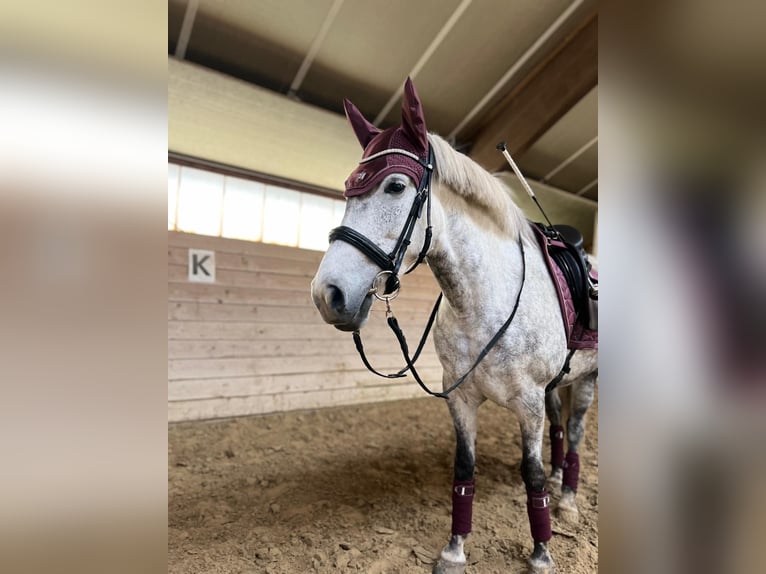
478 187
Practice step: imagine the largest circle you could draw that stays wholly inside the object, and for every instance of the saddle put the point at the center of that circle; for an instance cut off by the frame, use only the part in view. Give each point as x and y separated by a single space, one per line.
575 280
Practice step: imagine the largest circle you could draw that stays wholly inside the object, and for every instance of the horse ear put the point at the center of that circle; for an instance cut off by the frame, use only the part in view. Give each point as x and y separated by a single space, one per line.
363 129
413 120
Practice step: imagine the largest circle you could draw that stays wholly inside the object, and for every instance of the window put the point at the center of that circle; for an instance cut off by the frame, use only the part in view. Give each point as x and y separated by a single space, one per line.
282 208
316 220
173 175
243 209
209 203
200 198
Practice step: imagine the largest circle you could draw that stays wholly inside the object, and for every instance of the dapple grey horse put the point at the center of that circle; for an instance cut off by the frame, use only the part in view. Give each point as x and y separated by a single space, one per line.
486 261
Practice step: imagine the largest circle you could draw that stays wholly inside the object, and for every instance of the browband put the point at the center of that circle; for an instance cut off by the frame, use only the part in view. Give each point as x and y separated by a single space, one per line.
391 151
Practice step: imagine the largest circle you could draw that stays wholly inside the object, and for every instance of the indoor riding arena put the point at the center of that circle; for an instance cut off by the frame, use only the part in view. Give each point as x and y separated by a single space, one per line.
285 453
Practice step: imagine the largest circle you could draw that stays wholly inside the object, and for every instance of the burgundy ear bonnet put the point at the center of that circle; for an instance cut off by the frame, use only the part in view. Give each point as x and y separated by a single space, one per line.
410 137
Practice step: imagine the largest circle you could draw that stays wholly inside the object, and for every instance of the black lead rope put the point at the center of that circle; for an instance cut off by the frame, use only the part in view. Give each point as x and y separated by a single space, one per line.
394 325
401 373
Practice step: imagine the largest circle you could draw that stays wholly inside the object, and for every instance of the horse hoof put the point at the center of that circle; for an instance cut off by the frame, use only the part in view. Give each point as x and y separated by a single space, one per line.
446 567
567 509
541 566
554 485
554 481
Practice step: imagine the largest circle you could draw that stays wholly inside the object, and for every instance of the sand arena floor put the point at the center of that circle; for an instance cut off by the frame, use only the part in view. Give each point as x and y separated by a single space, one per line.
358 489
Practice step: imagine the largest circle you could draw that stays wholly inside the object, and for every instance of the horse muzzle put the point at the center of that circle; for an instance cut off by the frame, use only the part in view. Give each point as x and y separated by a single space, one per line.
333 304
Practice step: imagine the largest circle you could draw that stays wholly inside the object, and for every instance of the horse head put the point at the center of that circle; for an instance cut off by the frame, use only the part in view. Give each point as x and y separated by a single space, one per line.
378 233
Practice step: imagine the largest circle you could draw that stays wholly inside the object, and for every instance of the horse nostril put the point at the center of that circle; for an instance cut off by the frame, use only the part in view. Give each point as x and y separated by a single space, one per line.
335 299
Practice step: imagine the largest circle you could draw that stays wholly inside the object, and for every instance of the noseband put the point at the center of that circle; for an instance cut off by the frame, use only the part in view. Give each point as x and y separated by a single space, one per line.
391 263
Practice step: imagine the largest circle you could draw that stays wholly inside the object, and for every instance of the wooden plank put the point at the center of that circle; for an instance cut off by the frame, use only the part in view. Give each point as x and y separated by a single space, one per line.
222 295
238 406
403 306
257 332
240 367
541 99
236 246
179 273
197 389
278 280
276 258
231 349
222 331
228 349
256 263
411 297
249 262
291 348
194 311
242 295
261 280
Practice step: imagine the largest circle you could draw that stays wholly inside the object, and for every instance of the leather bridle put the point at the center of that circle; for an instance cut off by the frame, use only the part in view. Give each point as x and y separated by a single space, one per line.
390 263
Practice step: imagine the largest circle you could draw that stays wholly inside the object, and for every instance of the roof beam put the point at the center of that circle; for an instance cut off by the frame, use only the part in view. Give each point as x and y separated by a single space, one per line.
587 187
315 45
514 69
186 28
541 99
448 25
568 160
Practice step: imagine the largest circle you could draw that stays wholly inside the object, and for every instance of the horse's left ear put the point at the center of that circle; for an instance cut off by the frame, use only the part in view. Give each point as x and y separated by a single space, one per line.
413 120
363 129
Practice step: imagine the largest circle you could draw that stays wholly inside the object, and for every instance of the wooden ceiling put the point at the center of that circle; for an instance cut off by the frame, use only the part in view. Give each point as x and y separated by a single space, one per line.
486 70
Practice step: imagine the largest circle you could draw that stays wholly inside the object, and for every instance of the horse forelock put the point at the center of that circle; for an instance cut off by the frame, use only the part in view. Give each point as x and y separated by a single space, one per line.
480 189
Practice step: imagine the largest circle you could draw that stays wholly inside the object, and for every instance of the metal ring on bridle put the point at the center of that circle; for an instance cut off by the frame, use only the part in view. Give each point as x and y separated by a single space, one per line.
379 284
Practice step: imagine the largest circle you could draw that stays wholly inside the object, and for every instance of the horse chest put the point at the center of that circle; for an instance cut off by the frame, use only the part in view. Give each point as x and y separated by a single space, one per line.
520 355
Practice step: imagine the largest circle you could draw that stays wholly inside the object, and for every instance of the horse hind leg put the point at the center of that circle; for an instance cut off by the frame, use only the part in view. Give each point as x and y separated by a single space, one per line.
553 410
452 559
582 397
531 414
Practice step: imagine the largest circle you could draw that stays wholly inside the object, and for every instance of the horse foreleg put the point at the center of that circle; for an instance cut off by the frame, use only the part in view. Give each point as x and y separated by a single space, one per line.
553 410
452 559
582 397
531 413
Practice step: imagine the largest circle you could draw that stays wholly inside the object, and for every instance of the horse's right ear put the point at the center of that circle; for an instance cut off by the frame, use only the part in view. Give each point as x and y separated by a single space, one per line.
363 129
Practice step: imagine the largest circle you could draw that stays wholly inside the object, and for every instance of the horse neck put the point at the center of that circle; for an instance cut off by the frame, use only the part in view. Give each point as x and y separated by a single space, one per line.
477 265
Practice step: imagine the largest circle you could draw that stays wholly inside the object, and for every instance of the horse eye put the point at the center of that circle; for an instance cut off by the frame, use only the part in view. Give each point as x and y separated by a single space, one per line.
395 187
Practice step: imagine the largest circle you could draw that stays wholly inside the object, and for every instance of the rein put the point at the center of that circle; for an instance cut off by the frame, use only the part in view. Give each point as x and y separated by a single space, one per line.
390 263
394 325
399 334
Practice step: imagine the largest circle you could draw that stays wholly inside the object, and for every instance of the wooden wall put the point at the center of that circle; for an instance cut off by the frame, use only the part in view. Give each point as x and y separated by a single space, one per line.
254 343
